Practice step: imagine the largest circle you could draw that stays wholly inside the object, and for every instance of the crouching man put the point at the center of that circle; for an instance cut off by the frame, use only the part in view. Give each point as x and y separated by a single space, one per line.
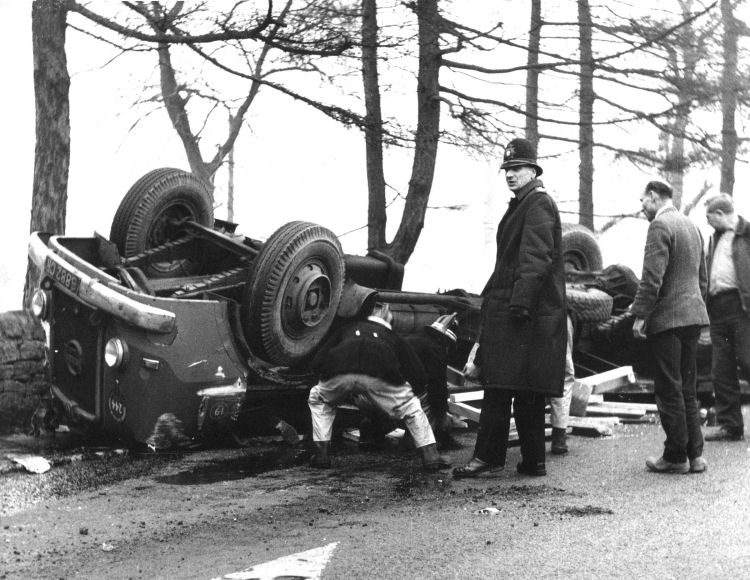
366 359
432 347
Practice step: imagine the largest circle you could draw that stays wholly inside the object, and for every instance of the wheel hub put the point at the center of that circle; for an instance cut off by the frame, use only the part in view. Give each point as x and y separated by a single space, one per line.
307 297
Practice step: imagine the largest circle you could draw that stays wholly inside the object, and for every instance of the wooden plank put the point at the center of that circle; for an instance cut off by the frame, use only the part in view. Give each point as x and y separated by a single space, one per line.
609 380
617 405
464 410
597 410
464 397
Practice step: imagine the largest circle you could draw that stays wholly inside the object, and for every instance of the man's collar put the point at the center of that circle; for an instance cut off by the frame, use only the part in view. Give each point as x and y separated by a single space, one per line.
667 206
528 188
380 321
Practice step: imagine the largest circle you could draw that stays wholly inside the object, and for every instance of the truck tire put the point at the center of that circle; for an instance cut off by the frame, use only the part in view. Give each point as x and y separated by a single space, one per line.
580 248
293 292
148 214
588 304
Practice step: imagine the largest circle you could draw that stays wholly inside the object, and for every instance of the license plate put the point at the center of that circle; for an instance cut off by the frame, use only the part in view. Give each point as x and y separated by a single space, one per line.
62 276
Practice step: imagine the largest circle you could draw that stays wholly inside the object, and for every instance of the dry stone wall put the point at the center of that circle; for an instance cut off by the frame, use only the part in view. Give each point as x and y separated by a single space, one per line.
23 374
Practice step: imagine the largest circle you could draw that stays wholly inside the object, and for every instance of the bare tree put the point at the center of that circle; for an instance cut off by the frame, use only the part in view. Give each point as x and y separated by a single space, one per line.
296 36
728 97
586 116
532 73
427 132
52 150
376 211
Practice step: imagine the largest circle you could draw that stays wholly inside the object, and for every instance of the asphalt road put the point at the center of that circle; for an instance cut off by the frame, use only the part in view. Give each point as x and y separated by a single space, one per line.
598 513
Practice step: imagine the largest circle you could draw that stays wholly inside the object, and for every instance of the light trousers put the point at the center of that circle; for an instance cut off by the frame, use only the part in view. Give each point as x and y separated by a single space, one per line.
398 402
560 406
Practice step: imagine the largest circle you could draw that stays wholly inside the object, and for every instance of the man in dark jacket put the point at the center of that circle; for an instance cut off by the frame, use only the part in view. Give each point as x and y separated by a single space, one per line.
367 359
669 311
729 312
523 322
432 347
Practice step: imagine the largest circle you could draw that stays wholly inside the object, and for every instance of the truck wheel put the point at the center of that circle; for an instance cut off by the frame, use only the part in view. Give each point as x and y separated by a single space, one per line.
293 293
588 304
619 280
580 248
150 213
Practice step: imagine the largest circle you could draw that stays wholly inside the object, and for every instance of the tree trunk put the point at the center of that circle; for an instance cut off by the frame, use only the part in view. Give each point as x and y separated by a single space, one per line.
52 151
532 74
376 214
177 110
230 181
428 129
728 98
674 160
586 118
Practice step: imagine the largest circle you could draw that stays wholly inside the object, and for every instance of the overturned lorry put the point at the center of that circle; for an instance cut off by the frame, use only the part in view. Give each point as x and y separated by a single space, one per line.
177 320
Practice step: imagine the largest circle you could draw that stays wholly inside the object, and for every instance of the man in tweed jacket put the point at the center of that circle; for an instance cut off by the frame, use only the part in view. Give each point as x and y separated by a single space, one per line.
670 309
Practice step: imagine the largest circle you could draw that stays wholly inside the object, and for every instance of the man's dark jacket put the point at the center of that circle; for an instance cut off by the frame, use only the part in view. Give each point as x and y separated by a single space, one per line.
740 257
432 352
526 354
372 349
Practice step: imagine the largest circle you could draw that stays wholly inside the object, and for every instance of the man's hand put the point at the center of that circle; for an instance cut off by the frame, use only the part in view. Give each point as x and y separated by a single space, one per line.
639 328
519 313
471 370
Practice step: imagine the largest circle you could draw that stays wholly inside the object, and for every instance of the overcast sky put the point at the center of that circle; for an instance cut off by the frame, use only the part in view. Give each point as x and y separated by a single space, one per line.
292 165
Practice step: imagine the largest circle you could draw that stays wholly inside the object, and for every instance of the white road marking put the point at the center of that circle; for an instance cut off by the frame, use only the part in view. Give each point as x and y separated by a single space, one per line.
308 565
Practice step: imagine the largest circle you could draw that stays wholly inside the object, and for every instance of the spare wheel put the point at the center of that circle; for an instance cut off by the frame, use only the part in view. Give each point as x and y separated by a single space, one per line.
588 304
580 248
151 212
293 293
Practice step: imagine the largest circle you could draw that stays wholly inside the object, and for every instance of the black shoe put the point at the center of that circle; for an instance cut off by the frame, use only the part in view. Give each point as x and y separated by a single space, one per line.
447 441
724 434
475 468
318 463
536 469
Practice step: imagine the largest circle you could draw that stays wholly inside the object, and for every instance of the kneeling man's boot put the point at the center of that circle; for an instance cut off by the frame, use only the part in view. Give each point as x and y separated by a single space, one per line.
559 444
432 460
321 458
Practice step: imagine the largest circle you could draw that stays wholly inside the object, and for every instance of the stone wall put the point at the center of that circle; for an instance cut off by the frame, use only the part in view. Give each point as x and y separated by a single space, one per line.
23 376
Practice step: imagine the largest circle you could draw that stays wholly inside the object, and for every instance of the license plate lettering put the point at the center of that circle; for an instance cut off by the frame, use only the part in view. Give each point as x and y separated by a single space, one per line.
62 276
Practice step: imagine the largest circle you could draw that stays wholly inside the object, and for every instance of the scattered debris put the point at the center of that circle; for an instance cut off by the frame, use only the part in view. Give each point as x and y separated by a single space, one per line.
488 511
32 463
168 432
589 510
106 547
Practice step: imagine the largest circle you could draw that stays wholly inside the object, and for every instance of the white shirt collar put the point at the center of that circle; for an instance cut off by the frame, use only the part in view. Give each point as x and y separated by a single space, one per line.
663 208
380 321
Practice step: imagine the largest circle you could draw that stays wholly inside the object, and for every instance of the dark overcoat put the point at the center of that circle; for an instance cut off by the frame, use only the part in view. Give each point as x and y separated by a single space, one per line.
526 354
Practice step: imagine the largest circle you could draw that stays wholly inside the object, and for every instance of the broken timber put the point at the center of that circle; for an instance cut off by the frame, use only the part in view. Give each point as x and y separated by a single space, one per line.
467 405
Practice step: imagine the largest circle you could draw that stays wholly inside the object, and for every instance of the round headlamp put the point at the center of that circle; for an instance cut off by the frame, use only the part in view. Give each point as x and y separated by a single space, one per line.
40 304
115 353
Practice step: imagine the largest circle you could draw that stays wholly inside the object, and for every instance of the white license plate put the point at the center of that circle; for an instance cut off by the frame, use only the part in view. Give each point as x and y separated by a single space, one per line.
62 276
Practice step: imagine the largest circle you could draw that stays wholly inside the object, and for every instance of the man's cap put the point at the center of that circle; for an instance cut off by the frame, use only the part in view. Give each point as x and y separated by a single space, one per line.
520 152
441 327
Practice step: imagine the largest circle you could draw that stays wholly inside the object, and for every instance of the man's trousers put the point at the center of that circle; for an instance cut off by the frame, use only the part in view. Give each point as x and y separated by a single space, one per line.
675 384
398 402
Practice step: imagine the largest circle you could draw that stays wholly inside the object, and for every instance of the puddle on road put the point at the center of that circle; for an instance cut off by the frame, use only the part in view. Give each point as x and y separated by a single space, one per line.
236 468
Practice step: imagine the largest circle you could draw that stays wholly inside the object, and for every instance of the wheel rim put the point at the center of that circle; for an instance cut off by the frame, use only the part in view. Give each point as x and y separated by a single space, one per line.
306 299
167 227
575 261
